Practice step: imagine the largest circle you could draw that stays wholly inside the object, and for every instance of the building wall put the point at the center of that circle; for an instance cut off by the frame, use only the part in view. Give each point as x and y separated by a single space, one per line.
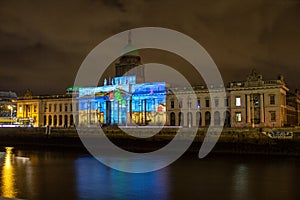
55 111
28 111
251 103
256 107
185 109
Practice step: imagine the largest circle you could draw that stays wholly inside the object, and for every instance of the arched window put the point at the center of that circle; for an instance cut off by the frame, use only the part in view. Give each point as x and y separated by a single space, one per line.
55 120
50 120
76 120
189 119
71 120
172 119
207 118
60 120
217 120
45 120
198 118
66 121
180 119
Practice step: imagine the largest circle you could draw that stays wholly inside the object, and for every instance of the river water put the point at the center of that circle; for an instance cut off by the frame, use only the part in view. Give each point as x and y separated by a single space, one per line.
66 174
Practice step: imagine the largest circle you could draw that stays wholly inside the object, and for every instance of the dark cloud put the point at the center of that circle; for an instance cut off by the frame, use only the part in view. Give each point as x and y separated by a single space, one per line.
42 43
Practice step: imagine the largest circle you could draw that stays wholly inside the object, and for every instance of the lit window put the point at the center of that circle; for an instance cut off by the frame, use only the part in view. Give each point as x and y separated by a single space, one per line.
238 117
21 109
238 101
256 99
198 103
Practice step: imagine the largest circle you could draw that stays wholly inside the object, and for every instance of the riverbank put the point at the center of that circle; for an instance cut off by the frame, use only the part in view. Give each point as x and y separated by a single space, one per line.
231 141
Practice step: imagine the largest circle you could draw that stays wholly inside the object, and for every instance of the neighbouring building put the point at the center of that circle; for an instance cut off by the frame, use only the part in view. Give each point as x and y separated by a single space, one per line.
46 110
7 107
254 102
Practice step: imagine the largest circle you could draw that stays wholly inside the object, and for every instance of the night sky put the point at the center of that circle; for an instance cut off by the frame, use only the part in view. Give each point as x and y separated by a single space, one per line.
43 43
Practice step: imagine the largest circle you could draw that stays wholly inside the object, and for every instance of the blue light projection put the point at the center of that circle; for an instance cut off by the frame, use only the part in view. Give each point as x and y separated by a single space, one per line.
123 102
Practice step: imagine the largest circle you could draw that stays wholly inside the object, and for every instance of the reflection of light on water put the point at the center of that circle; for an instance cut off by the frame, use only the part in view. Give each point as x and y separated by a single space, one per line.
8 179
240 179
96 181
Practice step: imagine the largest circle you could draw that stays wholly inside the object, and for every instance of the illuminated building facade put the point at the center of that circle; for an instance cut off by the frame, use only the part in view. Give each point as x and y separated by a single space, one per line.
251 103
7 107
124 102
46 110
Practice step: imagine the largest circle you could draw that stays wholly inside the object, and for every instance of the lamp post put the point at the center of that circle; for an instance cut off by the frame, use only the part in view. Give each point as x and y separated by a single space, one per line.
11 111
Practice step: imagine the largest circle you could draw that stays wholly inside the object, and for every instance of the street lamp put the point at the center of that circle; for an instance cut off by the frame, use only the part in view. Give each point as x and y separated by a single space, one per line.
11 111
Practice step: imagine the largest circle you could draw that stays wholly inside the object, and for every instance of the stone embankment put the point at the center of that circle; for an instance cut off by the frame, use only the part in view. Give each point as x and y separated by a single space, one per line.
232 140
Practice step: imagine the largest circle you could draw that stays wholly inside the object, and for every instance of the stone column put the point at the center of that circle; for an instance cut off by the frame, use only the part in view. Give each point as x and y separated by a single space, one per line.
262 109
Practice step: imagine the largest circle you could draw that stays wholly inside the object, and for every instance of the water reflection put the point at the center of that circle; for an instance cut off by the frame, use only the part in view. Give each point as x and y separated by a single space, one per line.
95 181
240 180
8 175
43 174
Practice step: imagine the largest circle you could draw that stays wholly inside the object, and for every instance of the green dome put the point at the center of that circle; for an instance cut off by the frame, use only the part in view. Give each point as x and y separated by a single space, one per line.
131 51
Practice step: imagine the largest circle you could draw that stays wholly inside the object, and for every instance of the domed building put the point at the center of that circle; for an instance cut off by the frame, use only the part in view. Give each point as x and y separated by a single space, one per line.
130 63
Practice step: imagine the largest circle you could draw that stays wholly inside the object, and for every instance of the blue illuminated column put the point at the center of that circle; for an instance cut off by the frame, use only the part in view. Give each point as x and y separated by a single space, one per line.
145 111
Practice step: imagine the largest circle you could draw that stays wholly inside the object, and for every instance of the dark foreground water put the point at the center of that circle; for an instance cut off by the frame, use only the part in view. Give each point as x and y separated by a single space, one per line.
66 174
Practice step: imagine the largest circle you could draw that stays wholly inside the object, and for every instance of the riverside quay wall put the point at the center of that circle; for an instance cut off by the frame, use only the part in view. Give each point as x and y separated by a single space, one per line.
283 141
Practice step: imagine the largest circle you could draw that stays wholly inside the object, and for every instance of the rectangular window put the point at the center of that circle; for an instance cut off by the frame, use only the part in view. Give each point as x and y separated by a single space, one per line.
206 103
71 107
273 116
34 108
189 103
238 101
21 109
172 104
216 102
226 102
198 104
45 108
60 107
66 107
50 107
180 104
272 99
54 107
238 117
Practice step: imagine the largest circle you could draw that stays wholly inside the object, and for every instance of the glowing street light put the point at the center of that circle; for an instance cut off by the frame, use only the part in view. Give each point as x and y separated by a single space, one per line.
11 111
